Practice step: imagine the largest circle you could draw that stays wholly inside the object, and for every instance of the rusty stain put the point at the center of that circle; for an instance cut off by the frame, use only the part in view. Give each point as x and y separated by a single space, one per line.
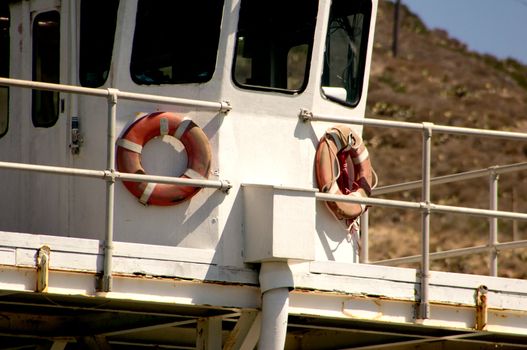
481 307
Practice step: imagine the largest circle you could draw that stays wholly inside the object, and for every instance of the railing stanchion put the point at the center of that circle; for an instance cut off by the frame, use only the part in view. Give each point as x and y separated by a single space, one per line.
364 255
424 306
110 191
493 222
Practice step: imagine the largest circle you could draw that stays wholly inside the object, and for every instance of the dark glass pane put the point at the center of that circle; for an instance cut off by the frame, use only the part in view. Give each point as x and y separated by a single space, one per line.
4 67
175 42
274 44
98 21
346 46
46 64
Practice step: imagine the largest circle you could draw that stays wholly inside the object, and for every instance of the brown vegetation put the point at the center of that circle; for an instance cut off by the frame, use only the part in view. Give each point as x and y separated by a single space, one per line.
436 78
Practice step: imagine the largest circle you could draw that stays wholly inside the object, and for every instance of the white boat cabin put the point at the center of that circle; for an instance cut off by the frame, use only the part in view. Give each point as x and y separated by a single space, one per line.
241 252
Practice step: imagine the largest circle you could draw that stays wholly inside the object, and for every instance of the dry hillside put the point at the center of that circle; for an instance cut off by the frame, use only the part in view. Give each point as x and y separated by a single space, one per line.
436 78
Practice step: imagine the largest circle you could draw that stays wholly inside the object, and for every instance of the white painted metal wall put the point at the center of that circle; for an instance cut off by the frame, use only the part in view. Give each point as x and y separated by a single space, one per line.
261 140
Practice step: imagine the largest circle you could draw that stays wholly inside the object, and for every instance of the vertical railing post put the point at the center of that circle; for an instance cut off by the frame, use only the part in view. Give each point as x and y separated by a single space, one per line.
493 222
110 191
515 234
364 255
424 306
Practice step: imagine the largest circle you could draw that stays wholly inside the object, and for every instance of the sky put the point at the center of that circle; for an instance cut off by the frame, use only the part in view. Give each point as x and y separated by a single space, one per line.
497 27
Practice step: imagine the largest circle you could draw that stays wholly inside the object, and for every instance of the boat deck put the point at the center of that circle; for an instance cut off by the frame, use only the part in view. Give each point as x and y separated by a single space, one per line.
179 298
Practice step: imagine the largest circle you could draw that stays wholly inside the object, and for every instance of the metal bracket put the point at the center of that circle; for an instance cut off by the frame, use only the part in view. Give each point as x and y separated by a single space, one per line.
43 268
112 95
225 107
427 128
225 186
481 307
305 115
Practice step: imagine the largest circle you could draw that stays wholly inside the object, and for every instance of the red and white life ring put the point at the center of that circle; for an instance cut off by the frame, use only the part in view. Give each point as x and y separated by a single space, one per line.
337 145
130 146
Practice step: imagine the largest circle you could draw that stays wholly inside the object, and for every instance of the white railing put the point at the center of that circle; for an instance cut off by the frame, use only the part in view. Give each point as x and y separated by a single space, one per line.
110 174
426 206
493 247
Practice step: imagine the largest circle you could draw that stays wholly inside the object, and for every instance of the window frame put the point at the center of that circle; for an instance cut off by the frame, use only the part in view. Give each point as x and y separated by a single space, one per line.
308 57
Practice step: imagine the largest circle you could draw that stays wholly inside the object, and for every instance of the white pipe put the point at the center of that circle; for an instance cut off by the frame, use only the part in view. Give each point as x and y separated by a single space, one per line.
276 280
275 305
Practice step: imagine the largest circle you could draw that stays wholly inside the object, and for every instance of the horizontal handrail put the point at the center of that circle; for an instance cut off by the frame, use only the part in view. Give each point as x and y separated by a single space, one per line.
308 116
454 253
222 185
431 207
468 175
222 106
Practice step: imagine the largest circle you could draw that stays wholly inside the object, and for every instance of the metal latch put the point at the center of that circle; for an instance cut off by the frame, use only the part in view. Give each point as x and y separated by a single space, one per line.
76 137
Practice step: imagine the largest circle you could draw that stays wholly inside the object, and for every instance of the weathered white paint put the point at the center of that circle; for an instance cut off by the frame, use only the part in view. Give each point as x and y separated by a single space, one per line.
369 292
279 223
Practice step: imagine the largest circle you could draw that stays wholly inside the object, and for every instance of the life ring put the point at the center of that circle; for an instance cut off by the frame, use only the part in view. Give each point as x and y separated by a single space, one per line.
130 145
342 142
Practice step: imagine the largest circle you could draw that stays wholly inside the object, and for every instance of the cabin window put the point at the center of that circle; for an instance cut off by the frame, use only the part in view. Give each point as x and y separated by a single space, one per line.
274 44
4 67
175 42
46 64
345 54
97 33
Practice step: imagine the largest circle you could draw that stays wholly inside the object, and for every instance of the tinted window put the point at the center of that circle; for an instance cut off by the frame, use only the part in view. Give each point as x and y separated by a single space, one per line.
46 64
98 20
346 45
274 44
175 42
4 67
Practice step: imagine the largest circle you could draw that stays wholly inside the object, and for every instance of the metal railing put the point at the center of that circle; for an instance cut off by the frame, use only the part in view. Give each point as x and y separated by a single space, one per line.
110 175
493 247
426 206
